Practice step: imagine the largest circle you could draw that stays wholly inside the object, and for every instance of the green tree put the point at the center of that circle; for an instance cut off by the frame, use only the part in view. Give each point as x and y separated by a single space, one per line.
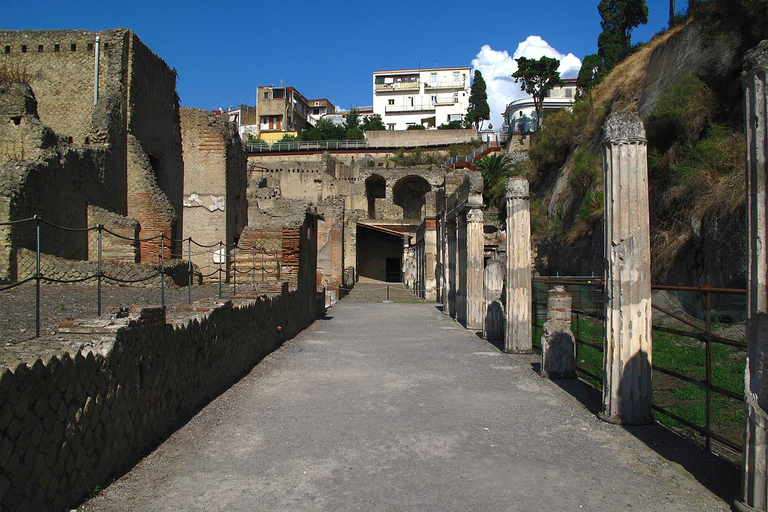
478 110
324 130
353 120
495 169
373 123
589 74
619 18
537 77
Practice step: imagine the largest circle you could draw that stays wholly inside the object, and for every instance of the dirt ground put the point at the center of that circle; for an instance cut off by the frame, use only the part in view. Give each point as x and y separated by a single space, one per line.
60 302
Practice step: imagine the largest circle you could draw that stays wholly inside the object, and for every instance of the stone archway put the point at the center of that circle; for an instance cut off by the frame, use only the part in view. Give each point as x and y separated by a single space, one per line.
408 193
375 188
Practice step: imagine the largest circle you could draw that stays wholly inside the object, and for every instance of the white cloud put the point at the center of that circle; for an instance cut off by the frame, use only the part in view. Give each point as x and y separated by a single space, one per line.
497 67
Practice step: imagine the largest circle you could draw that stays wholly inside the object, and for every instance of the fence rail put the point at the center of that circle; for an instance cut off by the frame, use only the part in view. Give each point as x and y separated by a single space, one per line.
675 361
219 273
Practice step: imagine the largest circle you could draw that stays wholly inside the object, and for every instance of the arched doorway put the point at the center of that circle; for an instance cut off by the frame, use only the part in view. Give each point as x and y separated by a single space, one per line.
408 193
375 188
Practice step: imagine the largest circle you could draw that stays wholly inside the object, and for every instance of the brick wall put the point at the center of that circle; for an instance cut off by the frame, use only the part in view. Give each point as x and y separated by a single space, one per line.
120 243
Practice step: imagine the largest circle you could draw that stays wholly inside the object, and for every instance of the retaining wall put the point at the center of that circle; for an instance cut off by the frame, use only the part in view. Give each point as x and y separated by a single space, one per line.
71 423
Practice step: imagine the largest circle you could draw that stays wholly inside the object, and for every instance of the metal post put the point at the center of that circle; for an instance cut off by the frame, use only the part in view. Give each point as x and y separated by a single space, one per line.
98 273
387 292
221 252
262 267
189 270
253 268
162 269
37 280
708 347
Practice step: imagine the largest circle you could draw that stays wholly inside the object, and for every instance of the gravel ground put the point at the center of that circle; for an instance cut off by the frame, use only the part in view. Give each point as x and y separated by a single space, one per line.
66 302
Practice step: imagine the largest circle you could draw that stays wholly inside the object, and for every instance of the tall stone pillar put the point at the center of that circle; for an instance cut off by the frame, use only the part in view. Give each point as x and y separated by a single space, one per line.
461 269
627 359
443 266
754 495
452 264
517 339
475 265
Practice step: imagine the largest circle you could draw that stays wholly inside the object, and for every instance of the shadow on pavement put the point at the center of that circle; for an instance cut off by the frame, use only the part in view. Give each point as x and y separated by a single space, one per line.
717 474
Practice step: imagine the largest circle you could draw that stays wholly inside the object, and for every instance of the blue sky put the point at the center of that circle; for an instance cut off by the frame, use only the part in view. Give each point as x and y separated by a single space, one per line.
224 50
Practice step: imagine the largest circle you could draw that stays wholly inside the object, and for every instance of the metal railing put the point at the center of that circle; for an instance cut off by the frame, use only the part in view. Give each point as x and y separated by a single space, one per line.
306 146
219 273
473 155
587 309
416 107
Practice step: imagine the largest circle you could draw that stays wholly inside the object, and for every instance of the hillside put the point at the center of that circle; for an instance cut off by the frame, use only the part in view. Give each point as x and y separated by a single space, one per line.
686 86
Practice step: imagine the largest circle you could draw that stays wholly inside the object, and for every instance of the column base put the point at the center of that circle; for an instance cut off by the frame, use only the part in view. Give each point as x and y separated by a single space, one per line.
743 507
617 420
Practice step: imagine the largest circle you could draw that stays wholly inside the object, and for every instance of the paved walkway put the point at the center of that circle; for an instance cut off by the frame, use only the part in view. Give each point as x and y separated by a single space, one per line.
396 407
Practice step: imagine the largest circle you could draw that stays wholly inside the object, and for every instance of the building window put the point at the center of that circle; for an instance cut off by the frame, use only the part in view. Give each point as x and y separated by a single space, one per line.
390 102
410 100
90 47
391 126
23 48
56 47
433 79
569 93
40 48
7 49
434 99
456 77
73 47
266 95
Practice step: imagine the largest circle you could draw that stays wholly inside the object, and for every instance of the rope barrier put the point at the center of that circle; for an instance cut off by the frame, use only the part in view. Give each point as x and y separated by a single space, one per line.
14 285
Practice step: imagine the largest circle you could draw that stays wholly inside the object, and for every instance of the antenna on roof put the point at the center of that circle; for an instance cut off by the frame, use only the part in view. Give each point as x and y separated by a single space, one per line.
282 83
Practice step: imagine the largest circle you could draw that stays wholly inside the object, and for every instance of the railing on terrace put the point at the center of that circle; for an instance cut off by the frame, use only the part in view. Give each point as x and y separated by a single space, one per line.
306 146
698 370
418 107
473 155
446 84
259 265
398 86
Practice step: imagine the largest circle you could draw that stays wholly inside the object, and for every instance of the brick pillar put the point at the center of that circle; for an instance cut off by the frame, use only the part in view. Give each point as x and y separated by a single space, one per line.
627 360
475 264
517 339
754 494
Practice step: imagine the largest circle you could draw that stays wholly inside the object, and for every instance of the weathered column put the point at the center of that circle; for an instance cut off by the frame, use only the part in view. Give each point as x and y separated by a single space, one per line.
517 339
493 285
452 263
475 265
627 359
461 269
754 494
558 347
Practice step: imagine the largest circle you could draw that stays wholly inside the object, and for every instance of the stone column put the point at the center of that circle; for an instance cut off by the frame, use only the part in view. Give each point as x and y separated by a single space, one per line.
754 495
493 312
558 346
627 359
517 339
452 263
461 269
475 265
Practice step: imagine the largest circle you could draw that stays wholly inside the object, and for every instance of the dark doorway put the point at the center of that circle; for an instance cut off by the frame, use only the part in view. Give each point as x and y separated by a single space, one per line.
393 270
375 250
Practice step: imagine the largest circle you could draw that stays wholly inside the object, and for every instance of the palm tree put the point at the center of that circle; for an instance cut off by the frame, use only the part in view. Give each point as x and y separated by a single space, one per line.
495 168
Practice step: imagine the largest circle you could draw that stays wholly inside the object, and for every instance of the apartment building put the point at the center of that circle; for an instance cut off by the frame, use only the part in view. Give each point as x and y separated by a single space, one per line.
429 97
320 108
281 111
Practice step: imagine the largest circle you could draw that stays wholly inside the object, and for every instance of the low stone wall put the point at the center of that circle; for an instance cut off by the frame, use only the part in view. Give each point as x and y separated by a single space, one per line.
126 274
71 423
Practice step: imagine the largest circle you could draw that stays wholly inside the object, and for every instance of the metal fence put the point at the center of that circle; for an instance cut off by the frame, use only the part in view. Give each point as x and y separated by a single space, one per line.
689 360
228 255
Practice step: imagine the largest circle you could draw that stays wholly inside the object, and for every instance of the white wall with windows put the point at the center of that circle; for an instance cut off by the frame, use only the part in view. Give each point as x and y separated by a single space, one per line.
429 97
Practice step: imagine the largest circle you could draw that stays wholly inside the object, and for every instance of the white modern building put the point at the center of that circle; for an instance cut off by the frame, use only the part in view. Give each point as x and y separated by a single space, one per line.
520 115
429 97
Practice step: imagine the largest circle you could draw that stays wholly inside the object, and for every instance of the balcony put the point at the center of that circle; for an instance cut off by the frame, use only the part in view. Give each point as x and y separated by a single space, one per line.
443 85
397 87
396 109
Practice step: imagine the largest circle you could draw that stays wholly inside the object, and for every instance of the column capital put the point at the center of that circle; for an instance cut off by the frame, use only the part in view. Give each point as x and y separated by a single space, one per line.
624 128
517 188
474 214
756 58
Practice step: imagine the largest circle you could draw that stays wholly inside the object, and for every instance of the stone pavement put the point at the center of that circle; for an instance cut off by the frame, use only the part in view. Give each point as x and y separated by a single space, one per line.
396 407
